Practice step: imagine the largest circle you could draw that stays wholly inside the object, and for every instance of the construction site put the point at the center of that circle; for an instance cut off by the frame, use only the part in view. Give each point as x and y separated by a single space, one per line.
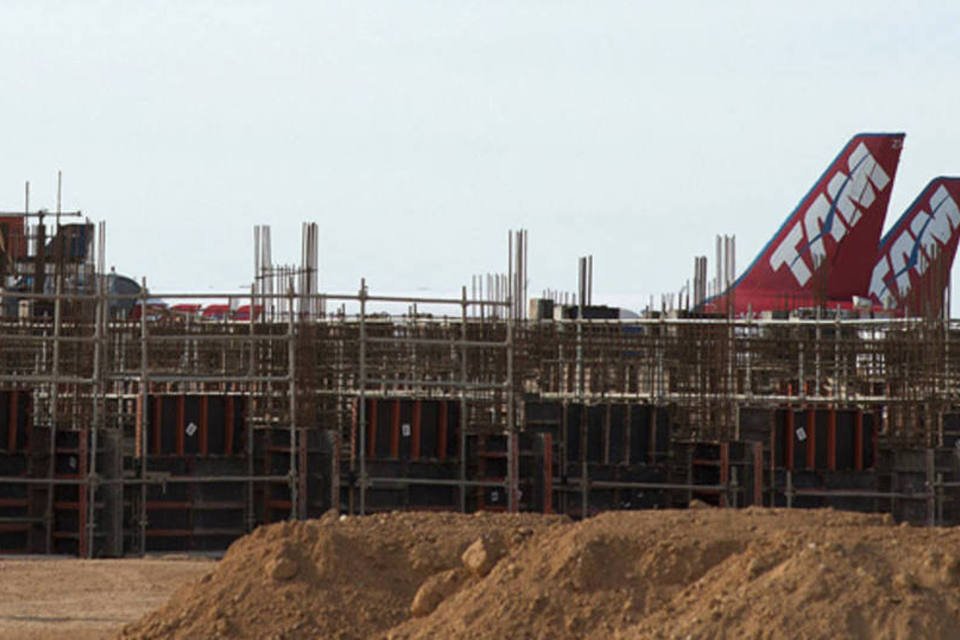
131 425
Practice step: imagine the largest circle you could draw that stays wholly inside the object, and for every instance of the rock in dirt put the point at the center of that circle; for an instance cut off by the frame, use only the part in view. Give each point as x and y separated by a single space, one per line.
483 554
282 568
436 589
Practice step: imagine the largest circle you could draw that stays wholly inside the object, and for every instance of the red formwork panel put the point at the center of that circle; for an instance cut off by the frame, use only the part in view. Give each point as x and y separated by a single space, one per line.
14 420
195 425
823 439
408 429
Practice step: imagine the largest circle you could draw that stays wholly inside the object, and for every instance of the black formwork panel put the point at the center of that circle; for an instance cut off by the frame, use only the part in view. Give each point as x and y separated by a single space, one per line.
14 537
165 512
406 428
633 431
216 425
572 424
755 424
618 447
169 424
434 496
801 480
539 414
951 430
627 498
821 423
384 427
596 419
640 434
662 446
429 429
218 509
846 440
869 447
200 515
191 416
396 494
852 481
800 437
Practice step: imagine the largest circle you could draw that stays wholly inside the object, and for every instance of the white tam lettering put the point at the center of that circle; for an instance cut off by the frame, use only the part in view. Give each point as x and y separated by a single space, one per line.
846 196
849 192
920 227
877 285
814 220
946 216
900 261
839 190
786 254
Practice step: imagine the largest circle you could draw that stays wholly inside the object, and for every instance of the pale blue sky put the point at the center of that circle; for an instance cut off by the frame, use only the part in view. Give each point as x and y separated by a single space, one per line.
417 133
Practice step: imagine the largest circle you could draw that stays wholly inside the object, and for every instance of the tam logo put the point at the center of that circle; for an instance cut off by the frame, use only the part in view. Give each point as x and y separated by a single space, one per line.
802 249
915 246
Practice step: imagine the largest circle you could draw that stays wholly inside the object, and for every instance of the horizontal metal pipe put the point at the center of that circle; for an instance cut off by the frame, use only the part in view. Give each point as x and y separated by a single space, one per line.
852 493
437 342
39 379
217 337
452 384
188 379
626 484
442 482
14 480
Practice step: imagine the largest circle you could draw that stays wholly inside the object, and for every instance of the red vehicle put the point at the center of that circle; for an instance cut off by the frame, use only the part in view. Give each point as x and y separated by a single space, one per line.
186 310
243 312
216 312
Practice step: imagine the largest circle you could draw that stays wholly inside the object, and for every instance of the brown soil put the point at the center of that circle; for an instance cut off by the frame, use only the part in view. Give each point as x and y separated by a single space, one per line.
657 574
43 598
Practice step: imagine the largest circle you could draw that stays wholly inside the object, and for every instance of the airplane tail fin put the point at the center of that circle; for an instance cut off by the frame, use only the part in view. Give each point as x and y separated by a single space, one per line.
914 258
826 247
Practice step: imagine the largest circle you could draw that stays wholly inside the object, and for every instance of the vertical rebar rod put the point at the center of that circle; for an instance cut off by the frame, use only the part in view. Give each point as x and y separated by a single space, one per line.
292 390
463 400
54 408
512 444
91 488
250 515
144 415
362 409
581 398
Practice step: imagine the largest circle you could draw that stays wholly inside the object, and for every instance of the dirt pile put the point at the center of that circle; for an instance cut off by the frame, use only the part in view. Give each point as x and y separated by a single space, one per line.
336 577
670 574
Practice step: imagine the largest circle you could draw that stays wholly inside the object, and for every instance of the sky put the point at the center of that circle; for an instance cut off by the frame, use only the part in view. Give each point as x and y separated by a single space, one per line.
416 134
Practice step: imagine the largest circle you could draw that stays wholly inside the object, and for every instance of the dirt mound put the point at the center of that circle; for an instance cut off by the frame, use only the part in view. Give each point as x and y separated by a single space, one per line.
707 573
337 577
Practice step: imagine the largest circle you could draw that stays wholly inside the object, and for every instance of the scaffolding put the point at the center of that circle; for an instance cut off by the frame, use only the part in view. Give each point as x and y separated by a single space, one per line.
128 427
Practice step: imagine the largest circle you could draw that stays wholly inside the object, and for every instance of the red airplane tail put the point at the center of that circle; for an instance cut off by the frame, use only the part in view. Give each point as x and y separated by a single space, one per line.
825 249
914 258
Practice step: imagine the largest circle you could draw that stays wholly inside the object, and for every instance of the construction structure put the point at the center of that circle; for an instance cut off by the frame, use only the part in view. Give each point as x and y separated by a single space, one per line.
129 426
